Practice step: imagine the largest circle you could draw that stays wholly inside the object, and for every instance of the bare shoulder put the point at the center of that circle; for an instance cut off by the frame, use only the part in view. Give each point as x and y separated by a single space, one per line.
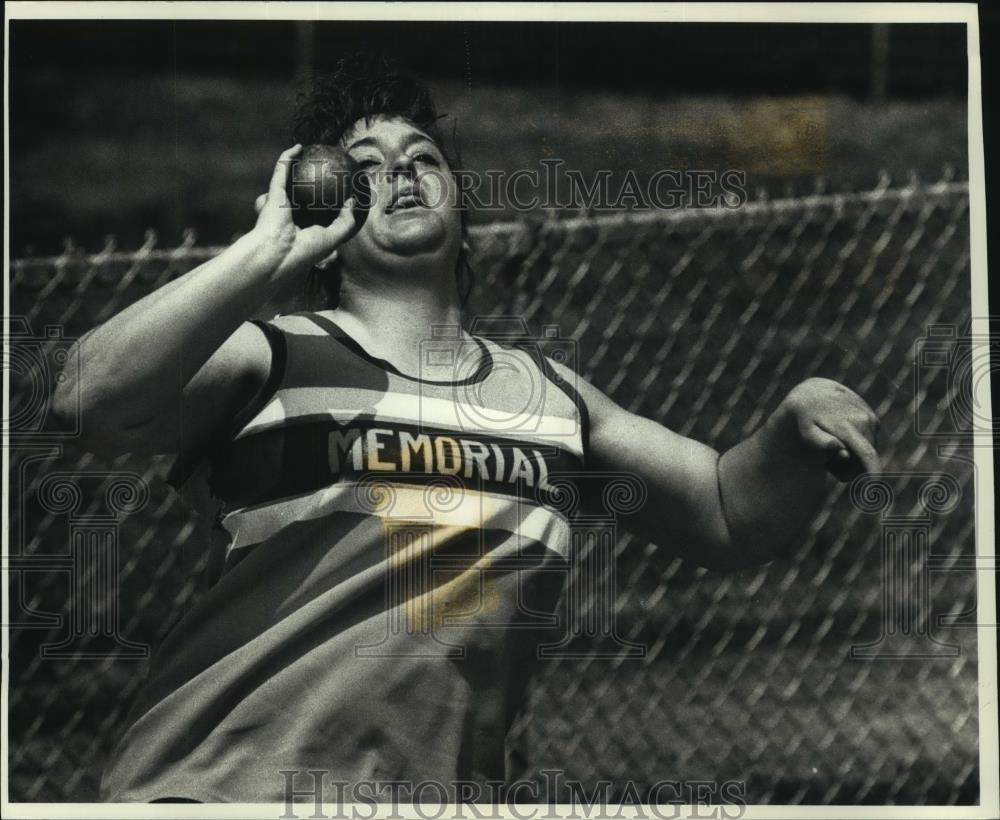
230 381
621 439
601 409
245 357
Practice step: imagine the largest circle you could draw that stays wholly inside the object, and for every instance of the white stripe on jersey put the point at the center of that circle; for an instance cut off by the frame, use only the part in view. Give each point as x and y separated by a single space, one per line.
446 414
450 510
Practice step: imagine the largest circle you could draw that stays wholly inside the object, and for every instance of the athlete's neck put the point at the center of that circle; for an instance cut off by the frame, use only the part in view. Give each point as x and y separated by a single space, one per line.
395 322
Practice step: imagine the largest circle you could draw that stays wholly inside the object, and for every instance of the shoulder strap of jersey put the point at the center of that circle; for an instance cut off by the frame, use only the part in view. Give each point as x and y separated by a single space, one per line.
575 397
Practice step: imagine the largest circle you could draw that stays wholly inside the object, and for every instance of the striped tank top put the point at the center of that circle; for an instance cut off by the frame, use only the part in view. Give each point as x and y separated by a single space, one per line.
396 551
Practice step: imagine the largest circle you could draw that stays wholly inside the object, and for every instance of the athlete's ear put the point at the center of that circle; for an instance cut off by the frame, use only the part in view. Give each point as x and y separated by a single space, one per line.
325 263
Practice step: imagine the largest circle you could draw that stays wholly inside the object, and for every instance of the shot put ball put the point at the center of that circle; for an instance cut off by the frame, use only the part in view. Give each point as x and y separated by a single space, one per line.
320 181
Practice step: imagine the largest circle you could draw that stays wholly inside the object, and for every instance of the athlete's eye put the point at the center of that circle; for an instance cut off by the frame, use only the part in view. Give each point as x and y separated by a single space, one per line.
367 163
426 159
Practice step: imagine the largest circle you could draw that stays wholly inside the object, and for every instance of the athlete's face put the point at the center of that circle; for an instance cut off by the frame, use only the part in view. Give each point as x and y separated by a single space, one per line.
414 213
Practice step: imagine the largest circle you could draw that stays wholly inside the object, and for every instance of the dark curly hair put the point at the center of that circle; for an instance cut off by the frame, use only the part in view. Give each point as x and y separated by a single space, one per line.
362 87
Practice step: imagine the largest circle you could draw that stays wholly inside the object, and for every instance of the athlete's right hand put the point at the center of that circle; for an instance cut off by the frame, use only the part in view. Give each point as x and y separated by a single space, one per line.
297 249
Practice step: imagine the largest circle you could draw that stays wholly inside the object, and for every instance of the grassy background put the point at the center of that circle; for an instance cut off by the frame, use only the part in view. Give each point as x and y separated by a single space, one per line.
117 154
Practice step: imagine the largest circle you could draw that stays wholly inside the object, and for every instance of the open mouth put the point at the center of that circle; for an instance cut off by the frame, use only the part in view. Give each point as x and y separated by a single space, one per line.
405 202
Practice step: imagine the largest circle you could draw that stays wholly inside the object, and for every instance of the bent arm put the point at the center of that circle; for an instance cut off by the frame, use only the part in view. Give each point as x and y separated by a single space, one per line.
129 375
770 489
167 370
751 504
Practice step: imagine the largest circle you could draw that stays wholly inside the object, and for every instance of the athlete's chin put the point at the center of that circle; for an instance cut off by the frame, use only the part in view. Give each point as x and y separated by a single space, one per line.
416 237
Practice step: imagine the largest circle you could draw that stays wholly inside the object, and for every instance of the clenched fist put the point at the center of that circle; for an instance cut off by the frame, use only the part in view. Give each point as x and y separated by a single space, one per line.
834 422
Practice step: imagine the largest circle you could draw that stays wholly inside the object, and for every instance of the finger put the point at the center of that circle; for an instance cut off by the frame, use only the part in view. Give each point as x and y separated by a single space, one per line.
820 439
279 179
259 203
861 447
865 408
345 225
323 264
863 420
876 428
839 461
854 398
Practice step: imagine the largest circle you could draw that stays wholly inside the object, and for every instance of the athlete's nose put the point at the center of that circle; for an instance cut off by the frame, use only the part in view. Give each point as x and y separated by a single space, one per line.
402 177
402 165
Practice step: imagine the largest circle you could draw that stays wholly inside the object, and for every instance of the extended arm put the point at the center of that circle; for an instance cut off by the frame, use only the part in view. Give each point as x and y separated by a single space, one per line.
754 502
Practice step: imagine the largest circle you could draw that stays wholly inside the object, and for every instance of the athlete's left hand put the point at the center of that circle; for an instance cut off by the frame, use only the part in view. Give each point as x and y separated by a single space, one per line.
832 422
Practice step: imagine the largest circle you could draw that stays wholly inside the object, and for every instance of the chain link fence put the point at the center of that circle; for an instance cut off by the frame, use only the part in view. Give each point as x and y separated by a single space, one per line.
781 677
